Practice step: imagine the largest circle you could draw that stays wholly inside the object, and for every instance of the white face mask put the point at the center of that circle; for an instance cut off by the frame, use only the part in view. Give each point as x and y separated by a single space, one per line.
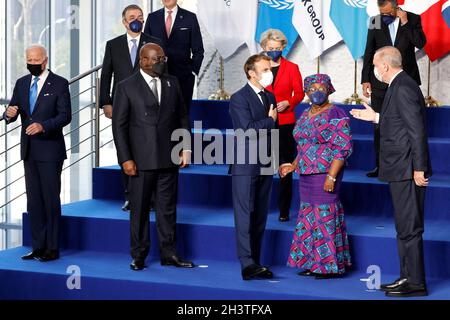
377 74
267 79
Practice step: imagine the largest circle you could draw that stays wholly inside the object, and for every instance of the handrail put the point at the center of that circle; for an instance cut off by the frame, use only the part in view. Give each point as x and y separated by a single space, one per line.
85 74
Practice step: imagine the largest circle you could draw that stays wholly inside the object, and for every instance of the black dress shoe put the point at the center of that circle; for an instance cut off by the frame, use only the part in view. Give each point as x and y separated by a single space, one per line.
283 218
373 173
254 271
407 290
324 276
177 262
306 273
137 265
33 255
392 286
266 274
49 256
126 206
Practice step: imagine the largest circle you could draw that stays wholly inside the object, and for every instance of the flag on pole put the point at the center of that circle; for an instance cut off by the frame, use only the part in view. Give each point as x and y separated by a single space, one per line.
216 15
312 21
276 14
446 12
351 19
245 15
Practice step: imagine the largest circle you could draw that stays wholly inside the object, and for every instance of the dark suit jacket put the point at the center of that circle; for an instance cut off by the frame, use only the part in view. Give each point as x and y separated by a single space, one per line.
52 111
409 37
185 40
404 141
247 112
142 128
117 63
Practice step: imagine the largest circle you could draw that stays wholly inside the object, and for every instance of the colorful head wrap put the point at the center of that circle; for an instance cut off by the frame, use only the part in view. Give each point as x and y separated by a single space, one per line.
321 79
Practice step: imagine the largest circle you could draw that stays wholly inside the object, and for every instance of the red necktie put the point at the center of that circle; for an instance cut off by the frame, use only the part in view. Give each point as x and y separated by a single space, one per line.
169 23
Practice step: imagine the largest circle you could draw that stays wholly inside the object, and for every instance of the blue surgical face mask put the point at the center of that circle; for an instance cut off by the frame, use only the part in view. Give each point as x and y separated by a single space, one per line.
136 26
274 55
388 19
319 97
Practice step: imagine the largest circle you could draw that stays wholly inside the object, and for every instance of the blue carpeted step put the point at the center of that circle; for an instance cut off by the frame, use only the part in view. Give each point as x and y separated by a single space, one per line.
211 186
208 233
107 276
214 114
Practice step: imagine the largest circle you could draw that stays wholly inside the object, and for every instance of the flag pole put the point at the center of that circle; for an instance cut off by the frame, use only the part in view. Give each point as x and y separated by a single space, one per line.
318 65
429 100
220 94
354 99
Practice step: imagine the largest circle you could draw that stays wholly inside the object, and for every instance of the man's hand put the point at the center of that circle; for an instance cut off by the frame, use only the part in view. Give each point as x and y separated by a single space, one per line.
419 179
367 89
285 169
34 129
403 16
273 113
185 159
12 111
328 185
108 110
129 168
282 106
367 114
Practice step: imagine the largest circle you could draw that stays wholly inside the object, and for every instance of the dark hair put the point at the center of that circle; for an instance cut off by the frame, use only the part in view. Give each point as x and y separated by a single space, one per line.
130 7
250 64
382 3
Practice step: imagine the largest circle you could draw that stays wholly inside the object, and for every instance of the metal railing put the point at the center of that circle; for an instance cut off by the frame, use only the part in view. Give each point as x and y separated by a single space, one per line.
95 134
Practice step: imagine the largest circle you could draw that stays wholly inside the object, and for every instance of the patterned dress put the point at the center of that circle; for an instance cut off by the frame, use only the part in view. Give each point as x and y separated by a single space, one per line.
320 241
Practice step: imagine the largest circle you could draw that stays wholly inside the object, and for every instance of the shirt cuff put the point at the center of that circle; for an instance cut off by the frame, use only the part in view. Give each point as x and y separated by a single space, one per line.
377 118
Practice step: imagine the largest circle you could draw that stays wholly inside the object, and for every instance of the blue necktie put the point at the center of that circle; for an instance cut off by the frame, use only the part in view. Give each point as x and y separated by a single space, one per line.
134 50
33 94
392 32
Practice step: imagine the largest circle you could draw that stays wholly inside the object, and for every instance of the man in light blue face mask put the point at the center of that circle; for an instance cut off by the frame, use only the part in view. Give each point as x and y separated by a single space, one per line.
392 27
119 65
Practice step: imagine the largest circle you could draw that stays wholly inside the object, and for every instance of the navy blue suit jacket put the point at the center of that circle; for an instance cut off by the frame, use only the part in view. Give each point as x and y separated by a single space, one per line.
247 112
52 111
184 41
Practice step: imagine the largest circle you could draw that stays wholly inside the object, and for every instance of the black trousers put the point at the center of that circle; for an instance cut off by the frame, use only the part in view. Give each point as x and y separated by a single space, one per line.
164 184
251 197
288 150
377 103
409 203
187 89
43 186
125 182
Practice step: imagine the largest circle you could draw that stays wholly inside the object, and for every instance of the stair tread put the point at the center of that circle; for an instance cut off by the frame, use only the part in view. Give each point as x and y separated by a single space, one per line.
218 275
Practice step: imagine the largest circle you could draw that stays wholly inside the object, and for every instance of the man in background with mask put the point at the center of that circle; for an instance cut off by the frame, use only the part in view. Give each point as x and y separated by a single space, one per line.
121 60
42 100
148 108
393 27
254 115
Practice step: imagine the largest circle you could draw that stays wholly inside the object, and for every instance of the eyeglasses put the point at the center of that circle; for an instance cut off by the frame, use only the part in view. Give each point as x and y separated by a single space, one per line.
312 90
159 59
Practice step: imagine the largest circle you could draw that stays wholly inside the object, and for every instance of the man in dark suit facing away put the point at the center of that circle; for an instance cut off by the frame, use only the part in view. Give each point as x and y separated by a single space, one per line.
180 32
42 100
148 109
254 117
393 27
404 164
121 60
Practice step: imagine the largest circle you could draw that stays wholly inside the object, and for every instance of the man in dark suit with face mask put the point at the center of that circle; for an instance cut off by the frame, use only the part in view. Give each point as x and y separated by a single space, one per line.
393 27
121 60
148 108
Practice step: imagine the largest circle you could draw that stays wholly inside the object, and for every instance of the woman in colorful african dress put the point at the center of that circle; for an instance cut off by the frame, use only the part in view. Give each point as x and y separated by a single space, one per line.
320 244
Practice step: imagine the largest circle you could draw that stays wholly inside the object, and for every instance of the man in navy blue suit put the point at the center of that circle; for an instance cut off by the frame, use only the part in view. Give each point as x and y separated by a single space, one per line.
42 100
182 40
254 117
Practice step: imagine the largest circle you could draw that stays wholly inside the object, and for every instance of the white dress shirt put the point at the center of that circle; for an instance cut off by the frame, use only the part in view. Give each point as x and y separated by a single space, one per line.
174 15
42 78
130 43
148 79
393 29
257 91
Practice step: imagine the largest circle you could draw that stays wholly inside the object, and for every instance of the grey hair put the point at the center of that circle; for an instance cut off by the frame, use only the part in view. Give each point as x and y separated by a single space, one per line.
274 35
390 55
37 46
